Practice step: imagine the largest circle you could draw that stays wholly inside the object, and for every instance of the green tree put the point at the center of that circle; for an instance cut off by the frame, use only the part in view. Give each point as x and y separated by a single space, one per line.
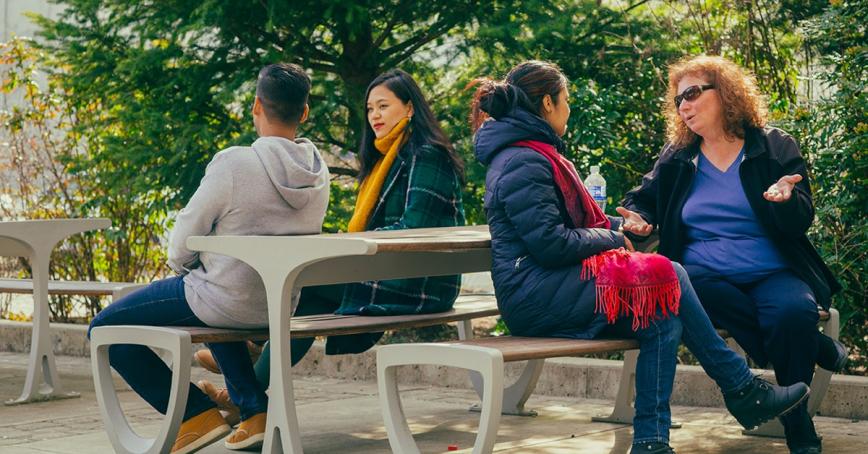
174 79
834 135
614 57
44 161
159 87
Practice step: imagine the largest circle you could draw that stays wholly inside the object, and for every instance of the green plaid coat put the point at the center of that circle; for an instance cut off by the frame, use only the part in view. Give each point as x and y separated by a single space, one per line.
421 190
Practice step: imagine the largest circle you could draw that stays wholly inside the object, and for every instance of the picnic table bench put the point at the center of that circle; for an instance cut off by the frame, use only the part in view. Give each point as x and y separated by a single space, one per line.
291 262
78 288
35 240
286 263
485 358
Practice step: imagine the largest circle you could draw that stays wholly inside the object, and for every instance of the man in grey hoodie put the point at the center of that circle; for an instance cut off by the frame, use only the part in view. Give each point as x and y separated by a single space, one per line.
277 186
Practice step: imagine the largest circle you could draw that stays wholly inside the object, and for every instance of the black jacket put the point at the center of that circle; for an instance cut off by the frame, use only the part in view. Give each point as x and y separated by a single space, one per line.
769 154
536 251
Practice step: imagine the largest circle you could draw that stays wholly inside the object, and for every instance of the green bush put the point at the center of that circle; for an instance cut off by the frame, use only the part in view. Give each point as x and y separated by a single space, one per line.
833 132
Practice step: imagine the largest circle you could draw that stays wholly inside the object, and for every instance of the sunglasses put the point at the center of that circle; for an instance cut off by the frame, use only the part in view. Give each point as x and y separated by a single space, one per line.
690 93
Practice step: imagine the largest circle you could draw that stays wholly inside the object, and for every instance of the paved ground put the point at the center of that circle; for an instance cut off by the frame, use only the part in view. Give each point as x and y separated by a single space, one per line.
344 417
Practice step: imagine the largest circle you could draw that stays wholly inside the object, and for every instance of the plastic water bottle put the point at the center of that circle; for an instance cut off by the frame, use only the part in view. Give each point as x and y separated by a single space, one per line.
596 185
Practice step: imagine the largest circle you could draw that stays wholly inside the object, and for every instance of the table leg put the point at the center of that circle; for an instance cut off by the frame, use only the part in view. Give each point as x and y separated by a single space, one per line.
42 382
281 431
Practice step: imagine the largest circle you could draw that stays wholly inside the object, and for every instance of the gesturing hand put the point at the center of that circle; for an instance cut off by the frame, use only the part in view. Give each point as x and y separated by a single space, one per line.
783 189
629 245
634 223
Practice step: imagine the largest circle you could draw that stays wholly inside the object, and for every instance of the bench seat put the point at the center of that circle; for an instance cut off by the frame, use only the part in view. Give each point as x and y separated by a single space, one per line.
514 348
467 307
485 358
83 288
517 348
178 342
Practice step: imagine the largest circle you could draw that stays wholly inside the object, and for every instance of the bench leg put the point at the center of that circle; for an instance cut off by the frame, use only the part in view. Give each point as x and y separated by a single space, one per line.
819 384
514 395
623 412
123 438
488 363
42 381
822 377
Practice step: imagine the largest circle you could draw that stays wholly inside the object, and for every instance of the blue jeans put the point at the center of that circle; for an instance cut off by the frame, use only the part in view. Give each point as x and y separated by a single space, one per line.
162 303
655 368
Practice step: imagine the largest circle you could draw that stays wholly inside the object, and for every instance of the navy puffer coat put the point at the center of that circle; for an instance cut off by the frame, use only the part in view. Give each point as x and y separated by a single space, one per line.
536 251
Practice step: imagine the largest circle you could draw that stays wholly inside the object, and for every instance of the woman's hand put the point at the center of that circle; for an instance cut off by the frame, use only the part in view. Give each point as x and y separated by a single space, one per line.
634 223
628 244
783 189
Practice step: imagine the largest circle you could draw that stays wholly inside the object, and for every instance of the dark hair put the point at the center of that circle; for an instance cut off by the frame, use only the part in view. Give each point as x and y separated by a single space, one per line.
423 127
525 86
283 88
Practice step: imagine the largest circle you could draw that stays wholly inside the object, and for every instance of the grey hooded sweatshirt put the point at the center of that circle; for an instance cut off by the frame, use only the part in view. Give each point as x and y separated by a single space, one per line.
274 187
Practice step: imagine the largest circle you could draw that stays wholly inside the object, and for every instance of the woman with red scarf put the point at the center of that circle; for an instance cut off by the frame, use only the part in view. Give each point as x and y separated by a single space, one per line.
562 268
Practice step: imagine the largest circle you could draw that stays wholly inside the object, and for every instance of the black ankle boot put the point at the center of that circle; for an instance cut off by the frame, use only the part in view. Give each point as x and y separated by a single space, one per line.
809 449
801 434
831 354
760 401
652 447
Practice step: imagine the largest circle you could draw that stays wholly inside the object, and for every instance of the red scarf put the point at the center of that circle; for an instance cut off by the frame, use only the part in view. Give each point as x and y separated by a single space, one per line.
627 282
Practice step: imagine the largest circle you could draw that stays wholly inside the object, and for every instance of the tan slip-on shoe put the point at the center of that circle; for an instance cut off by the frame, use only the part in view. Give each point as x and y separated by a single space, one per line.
200 431
220 396
249 434
206 360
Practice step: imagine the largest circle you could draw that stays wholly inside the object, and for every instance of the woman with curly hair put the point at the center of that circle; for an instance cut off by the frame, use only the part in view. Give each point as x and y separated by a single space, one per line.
732 202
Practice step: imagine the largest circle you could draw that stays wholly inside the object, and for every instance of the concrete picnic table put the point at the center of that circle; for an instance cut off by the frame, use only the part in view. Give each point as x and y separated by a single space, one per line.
35 239
286 263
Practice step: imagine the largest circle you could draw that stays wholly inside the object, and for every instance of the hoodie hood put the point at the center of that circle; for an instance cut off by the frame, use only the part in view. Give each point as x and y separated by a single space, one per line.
294 167
517 125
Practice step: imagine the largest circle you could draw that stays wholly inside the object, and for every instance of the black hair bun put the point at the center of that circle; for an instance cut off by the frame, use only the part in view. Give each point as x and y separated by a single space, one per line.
497 99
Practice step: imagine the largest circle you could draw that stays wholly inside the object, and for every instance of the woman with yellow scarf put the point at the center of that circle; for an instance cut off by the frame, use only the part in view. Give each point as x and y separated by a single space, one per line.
410 177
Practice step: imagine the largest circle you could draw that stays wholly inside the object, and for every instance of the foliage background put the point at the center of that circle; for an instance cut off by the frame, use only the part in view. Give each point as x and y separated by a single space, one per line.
143 94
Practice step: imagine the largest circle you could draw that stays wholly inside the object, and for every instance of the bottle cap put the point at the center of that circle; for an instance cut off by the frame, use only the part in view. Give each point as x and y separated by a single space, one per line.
595 169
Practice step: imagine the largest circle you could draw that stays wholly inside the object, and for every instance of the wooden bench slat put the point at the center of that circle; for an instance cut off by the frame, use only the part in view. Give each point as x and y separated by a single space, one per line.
516 348
466 307
85 288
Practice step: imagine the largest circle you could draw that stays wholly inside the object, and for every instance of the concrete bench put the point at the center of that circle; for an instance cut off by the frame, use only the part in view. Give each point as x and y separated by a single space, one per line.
178 342
485 358
71 288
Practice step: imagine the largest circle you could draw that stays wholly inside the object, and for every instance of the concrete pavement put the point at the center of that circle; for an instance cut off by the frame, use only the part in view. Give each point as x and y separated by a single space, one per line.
340 416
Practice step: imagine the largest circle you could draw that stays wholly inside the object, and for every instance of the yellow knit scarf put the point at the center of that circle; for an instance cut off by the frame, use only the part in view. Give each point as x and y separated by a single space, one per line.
369 190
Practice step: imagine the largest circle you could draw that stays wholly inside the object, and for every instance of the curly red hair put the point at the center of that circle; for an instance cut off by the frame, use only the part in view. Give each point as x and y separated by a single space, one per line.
743 105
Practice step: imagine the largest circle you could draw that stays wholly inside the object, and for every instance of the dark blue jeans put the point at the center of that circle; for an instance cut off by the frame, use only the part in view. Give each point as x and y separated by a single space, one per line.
775 320
162 303
655 369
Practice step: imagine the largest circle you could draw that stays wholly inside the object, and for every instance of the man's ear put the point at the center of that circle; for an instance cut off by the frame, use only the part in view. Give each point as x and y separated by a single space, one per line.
257 106
304 114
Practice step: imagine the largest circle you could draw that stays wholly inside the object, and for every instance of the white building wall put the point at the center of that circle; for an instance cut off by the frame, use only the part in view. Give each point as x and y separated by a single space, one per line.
13 20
